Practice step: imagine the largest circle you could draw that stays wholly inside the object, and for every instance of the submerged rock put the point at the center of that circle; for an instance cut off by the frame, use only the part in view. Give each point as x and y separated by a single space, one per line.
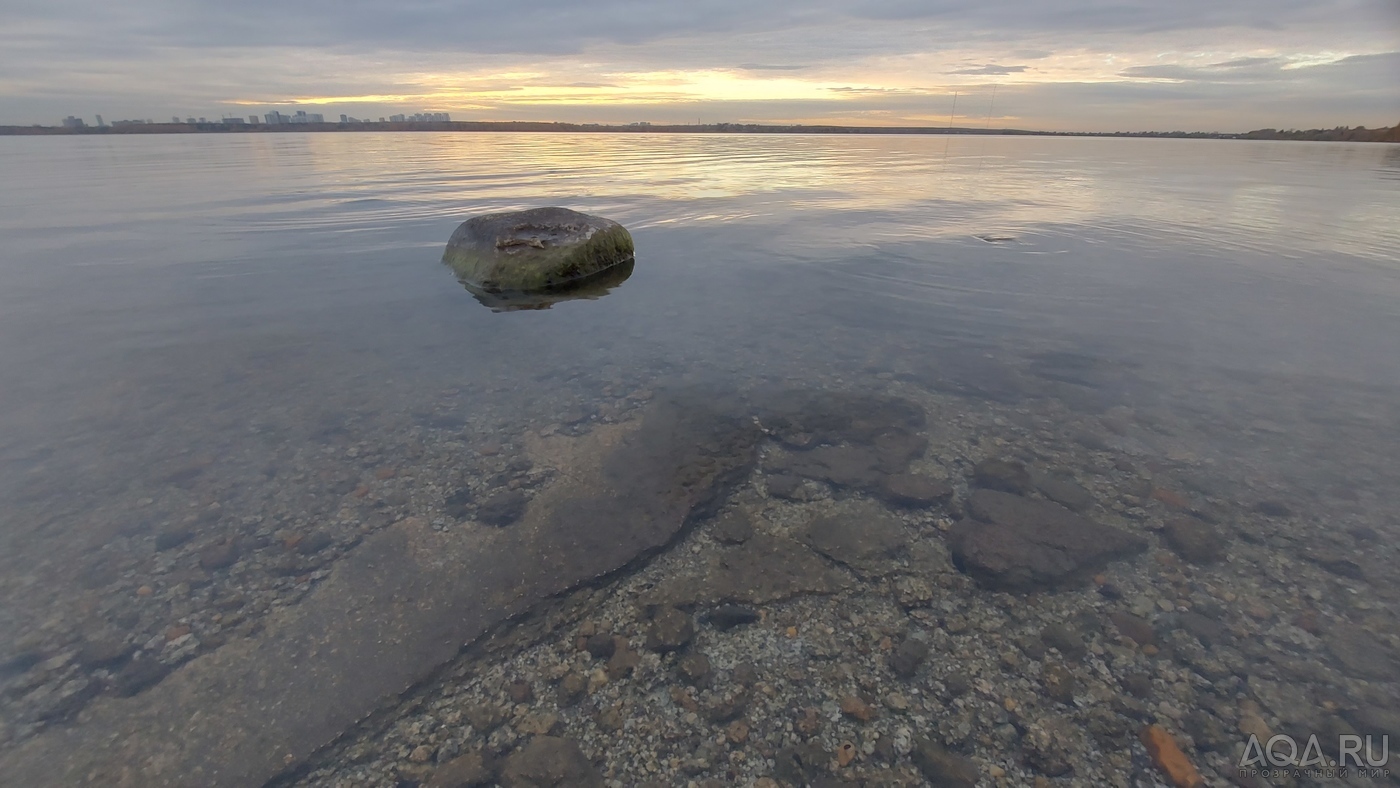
763 569
805 419
1139 629
800 764
1063 490
549 761
1026 544
503 508
788 487
465 771
842 466
219 555
1360 654
1063 637
727 617
534 250
104 651
943 768
864 538
999 474
915 490
670 630
173 537
139 675
907 658
400 605
736 528
1195 540
1273 509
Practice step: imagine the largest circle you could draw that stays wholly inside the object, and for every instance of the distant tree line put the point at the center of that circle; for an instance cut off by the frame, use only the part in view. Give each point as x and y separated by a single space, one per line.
1339 134
1185 135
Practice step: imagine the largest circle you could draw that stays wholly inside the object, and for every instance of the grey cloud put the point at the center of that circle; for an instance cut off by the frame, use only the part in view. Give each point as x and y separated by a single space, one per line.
873 91
1270 69
1243 70
1247 62
1185 74
991 70
566 26
1098 15
152 57
1386 62
1353 90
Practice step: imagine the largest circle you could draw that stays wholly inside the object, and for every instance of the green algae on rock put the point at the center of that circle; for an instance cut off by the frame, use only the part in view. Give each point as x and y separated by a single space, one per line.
536 249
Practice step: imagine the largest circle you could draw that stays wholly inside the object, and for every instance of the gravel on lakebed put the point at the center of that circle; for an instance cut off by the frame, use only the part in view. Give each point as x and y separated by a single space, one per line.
897 668
201 548
1264 603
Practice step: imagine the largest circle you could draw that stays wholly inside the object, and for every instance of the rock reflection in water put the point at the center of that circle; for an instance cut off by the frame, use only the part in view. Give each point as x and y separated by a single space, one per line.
588 288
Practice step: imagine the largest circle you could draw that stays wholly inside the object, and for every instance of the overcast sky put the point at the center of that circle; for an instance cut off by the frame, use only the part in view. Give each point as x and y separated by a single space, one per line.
1100 65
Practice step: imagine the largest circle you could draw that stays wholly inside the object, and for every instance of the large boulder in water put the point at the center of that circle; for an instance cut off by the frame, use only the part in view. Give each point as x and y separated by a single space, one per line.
535 250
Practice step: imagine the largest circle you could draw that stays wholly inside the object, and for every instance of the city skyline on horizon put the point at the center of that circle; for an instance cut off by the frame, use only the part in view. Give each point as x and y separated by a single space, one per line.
1053 65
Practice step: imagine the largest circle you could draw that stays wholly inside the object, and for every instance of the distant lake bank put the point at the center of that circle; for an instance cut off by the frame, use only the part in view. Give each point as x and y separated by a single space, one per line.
1339 134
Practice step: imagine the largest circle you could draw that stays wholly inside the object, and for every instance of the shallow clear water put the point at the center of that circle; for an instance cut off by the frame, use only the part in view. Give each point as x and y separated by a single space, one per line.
147 279
208 306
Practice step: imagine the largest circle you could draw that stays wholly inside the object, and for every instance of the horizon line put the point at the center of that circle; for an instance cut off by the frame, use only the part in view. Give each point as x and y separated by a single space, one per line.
238 125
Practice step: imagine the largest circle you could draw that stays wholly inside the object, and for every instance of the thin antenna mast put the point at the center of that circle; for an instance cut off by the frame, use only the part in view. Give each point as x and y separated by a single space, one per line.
987 127
949 132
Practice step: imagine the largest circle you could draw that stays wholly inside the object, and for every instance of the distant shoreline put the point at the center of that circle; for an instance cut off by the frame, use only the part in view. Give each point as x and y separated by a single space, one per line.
1340 134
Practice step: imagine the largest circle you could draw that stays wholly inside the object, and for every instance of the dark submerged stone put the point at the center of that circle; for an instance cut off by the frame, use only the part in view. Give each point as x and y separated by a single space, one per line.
1023 544
727 617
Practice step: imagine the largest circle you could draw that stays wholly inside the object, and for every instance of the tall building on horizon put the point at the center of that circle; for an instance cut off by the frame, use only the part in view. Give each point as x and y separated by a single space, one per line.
420 117
71 122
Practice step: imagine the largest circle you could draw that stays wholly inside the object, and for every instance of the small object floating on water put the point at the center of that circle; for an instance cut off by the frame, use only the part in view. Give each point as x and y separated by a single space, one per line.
534 258
995 238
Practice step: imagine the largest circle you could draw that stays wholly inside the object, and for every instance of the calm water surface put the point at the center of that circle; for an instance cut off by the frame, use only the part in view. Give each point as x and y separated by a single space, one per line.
184 318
